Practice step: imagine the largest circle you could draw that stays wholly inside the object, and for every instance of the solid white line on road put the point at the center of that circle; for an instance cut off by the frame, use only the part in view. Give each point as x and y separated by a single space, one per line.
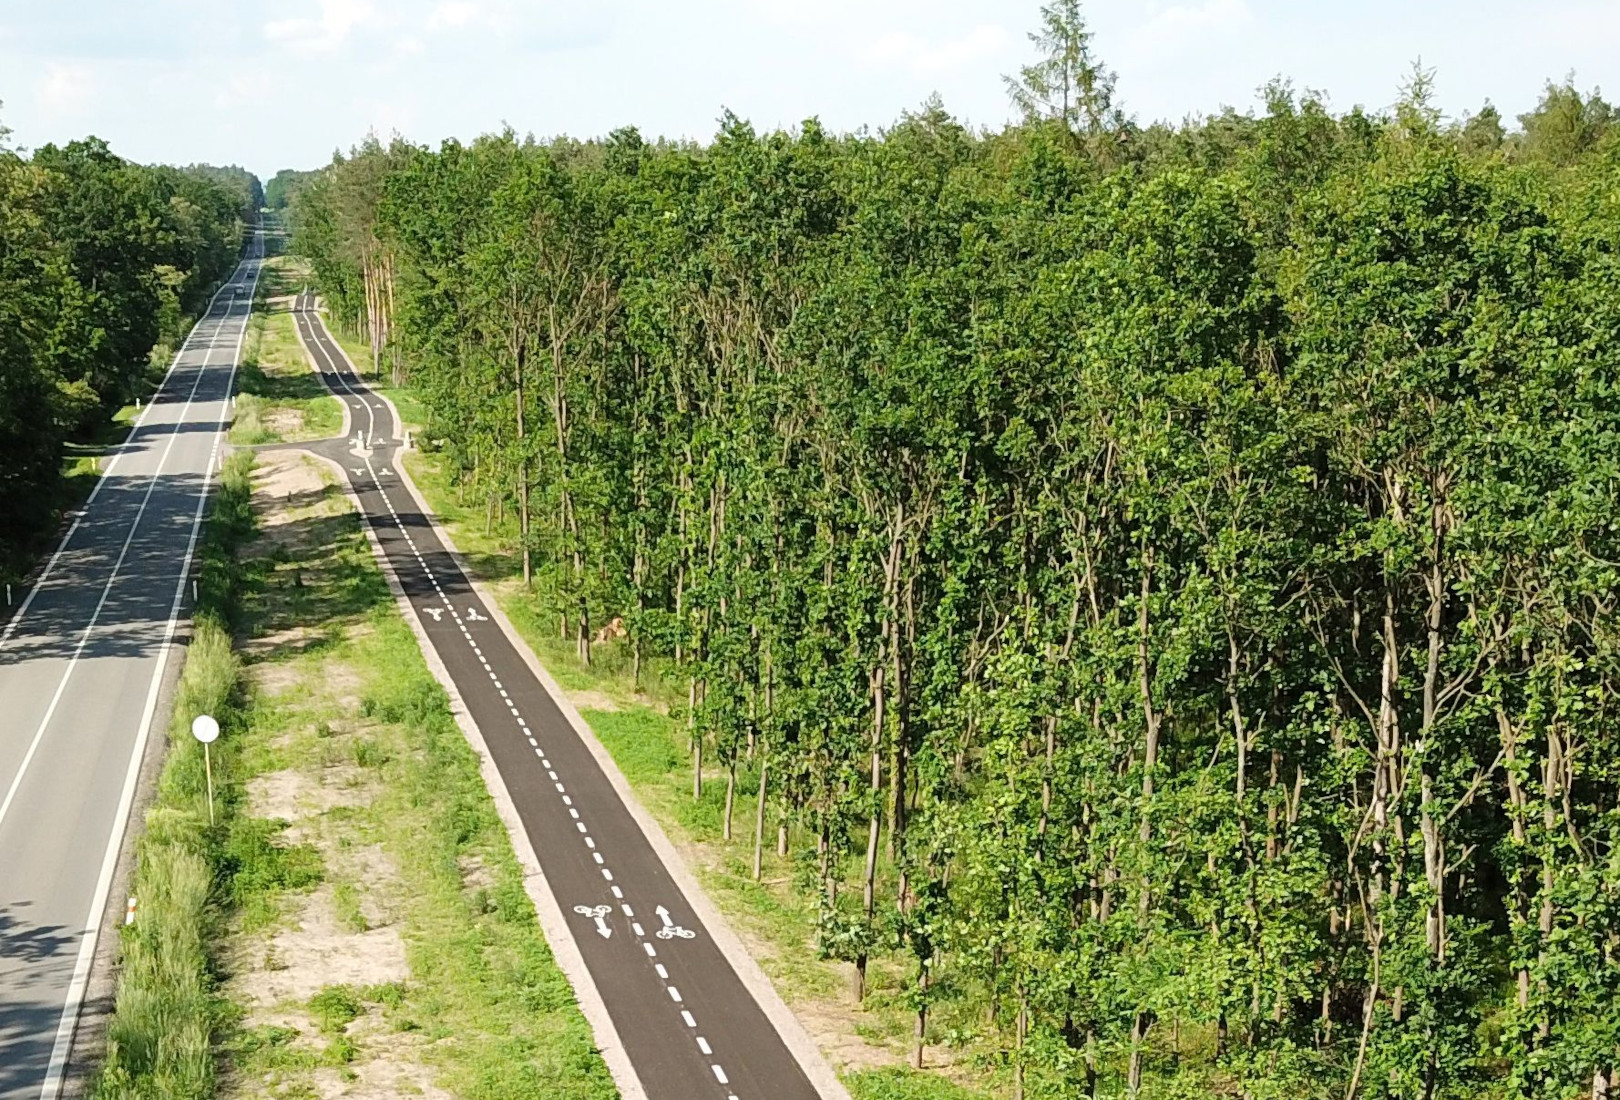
109 864
474 616
140 422
95 616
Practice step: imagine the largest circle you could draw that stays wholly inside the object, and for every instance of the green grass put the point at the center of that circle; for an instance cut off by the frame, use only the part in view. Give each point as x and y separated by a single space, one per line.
158 1039
280 398
484 1004
412 412
905 1084
778 916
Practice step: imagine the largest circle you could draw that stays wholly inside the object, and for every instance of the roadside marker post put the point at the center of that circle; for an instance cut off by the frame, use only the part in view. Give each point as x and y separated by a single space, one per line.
206 730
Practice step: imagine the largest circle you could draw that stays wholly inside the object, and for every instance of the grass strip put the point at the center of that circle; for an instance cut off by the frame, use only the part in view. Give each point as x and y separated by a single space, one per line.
279 398
447 980
158 1040
777 917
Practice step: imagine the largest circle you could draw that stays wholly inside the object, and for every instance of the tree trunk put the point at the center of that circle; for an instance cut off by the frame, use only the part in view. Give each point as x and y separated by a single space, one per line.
731 793
523 480
922 1015
759 815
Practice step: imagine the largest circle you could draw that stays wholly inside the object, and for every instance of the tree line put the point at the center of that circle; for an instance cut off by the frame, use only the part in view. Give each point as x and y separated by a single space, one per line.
1159 581
102 264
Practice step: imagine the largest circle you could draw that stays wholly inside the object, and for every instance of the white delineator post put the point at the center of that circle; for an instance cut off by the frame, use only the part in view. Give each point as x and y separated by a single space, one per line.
206 730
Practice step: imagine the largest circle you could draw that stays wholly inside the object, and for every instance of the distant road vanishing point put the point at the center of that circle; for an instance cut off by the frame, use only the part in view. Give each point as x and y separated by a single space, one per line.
82 660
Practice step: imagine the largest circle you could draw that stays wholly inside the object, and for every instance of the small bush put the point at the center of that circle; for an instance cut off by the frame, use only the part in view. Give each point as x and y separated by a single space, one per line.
335 1008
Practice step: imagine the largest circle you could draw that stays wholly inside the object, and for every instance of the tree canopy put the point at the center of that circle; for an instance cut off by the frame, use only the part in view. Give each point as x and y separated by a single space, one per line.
1162 587
101 263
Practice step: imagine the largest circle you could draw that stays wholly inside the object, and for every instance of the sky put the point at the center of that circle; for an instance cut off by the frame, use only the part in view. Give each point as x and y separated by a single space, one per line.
288 82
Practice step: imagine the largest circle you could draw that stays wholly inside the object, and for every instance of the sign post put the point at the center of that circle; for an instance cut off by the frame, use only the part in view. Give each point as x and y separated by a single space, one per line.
206 730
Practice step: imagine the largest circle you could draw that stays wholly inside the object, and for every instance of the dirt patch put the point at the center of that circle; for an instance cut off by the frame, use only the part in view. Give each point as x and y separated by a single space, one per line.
828 1024
284 422
386 1075
278 642
318 951
592 700
373 869
291 795
474 874
279 475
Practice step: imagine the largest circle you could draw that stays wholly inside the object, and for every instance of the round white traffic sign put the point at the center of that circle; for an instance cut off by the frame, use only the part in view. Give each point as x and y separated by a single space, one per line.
204 729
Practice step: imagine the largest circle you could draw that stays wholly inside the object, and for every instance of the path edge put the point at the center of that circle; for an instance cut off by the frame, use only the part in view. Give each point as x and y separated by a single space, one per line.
798 1041
553 925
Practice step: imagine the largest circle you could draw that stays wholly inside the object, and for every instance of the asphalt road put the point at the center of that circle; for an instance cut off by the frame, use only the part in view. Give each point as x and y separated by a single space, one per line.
81 662
688 1024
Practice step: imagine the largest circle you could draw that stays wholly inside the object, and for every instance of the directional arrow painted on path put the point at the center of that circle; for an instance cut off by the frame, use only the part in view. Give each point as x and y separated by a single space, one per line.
671 930
597 913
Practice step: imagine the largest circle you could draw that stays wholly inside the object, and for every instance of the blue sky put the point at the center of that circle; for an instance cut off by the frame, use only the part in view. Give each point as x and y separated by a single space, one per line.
285 83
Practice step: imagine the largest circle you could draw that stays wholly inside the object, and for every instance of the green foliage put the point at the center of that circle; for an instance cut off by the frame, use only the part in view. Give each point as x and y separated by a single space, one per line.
159 1039
1163 587
101 263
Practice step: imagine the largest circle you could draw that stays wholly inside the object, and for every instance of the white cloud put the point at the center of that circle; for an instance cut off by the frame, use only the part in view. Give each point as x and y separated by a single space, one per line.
327 31
67 87
922 56
457 13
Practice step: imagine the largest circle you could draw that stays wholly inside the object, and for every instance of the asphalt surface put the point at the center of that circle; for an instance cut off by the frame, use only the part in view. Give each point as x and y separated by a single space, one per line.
81 661
688 1024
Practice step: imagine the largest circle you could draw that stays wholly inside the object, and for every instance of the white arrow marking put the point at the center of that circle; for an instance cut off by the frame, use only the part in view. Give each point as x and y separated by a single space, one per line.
671 930
597 913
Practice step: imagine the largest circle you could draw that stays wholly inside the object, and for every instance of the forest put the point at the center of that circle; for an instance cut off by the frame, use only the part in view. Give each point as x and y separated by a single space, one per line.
1159 580
103 264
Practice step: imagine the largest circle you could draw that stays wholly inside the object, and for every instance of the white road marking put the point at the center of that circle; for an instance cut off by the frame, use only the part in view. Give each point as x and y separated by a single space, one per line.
597 913
87 946
106 590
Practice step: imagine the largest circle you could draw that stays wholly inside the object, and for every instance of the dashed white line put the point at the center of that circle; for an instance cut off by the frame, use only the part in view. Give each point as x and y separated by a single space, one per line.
607 873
